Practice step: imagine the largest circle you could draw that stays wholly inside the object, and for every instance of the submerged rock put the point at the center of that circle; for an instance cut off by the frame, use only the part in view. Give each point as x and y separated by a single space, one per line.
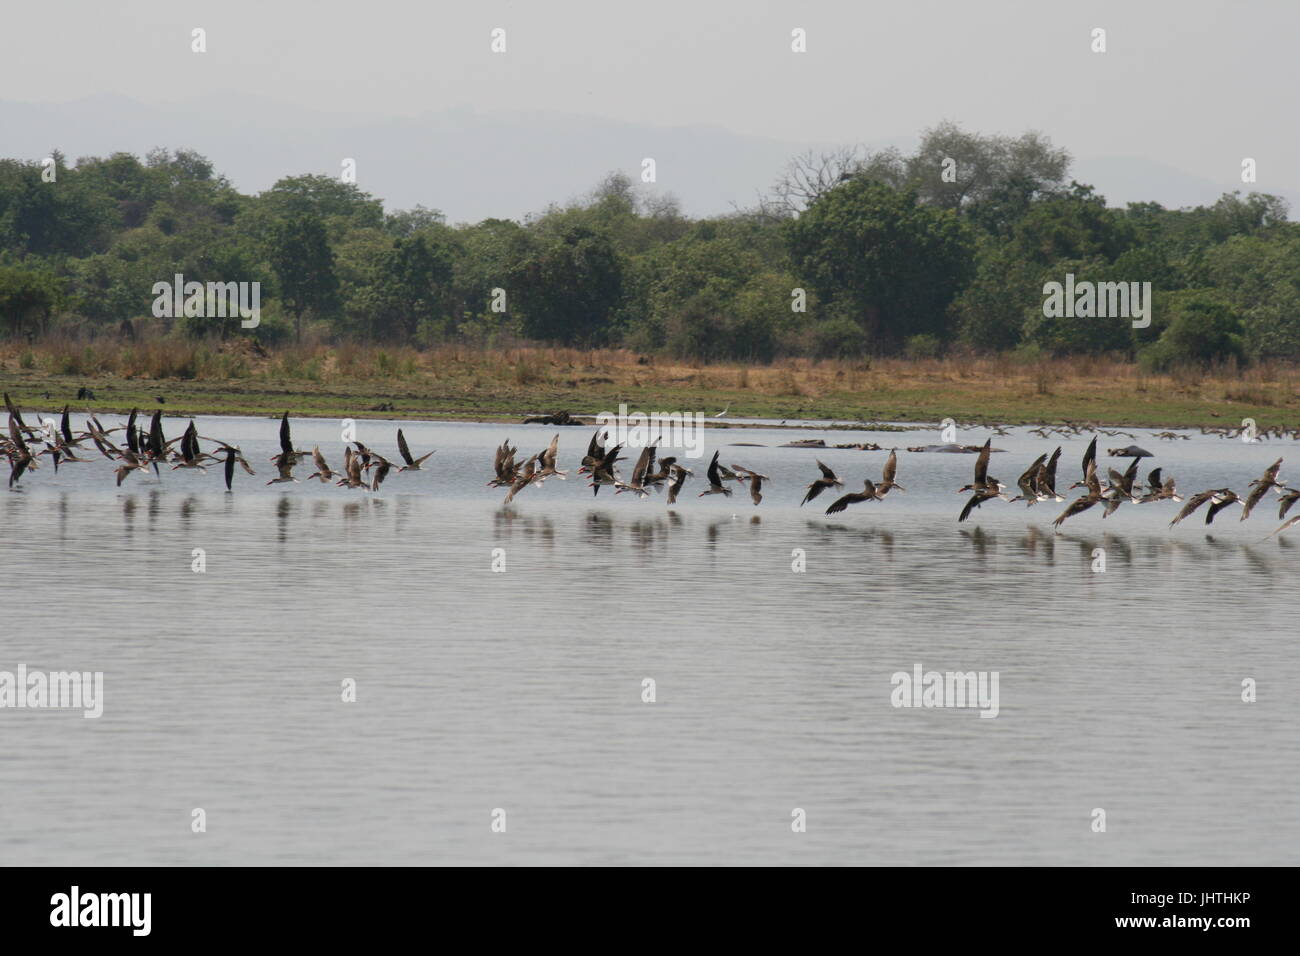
559 418
953 449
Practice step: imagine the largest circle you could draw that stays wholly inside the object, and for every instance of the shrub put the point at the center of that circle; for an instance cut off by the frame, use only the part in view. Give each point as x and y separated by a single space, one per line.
923 347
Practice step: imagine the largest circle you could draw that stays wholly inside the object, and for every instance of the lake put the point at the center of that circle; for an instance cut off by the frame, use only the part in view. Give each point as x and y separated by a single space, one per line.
521 690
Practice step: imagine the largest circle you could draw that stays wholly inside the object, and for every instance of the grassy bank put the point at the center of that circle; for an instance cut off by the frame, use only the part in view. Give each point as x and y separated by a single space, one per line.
474 384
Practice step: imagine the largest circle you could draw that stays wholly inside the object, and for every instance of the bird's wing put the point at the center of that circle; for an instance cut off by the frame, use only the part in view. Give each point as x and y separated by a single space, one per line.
714 478
1287 525
839 504
286 445
982 463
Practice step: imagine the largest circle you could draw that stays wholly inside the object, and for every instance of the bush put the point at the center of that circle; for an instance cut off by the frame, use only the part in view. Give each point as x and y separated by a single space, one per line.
1200 332
838 337
923 347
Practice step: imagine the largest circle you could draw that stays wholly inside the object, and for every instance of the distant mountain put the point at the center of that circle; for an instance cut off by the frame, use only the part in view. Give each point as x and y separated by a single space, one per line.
1125 179
473 165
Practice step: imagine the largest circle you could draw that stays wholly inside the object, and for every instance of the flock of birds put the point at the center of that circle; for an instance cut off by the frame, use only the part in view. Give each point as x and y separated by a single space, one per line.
1038 483
143 449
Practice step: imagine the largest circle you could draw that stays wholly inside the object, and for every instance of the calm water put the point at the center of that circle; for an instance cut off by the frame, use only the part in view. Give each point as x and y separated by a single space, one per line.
522 690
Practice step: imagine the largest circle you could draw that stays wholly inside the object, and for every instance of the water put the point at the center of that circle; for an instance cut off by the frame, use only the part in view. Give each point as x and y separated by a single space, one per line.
522 690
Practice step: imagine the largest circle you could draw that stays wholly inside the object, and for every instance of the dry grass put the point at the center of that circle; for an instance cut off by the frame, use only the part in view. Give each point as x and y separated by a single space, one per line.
1010 387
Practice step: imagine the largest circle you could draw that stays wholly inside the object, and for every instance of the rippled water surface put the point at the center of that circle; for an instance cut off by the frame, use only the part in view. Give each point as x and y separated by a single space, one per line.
522 689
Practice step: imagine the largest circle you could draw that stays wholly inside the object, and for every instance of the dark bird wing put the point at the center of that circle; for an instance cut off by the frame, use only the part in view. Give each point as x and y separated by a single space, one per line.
973 502
157 441
1026 481
1092 481
1130 476
13 410
1193 503
645 461
1075 507
982 463
1230 499
132 436
402 448
1089 456
826 472
1287 500
16 434
286 444
1050 485
839 504
715 479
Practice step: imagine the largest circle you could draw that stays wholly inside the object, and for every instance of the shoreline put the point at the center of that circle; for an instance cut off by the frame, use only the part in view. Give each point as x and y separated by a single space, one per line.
508 385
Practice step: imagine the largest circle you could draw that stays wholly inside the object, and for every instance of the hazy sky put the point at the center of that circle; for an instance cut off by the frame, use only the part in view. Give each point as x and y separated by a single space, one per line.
1197 84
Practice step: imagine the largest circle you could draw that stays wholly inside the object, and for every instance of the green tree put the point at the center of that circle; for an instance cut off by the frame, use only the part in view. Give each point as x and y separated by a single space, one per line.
1201 330
303 262
880 256
954 169
27 299
570 287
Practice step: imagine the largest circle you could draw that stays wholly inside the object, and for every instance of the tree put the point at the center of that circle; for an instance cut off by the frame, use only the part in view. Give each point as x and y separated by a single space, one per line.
27 298
810 175
570 287
303 262
1201 331
883 258
1074 224
953 169
1260 279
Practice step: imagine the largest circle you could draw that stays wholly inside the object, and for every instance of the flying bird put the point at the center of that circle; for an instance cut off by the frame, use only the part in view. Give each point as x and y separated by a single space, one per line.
1261 486
1196 501
412 464
755 482
887 482
322 471
868 493
715 480
680 474
1086 500
827 480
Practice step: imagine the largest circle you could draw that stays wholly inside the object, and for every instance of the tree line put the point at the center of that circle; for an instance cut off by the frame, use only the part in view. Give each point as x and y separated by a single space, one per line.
849 254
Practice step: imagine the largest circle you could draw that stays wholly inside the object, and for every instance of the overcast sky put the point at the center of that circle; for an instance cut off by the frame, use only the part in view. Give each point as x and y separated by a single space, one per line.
1194 84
